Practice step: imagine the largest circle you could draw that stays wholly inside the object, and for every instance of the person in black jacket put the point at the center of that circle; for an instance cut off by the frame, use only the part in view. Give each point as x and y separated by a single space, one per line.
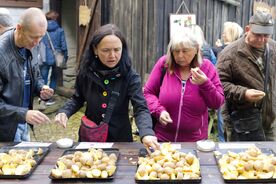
105 63
20 78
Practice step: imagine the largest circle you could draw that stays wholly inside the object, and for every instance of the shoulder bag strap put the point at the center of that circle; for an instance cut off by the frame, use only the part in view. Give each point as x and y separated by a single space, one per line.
267 61
51 43
112 101
266 66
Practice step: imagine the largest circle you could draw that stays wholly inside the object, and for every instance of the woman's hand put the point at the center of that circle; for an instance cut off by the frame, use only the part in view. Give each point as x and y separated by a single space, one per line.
61 118
198 76
165 118
150 141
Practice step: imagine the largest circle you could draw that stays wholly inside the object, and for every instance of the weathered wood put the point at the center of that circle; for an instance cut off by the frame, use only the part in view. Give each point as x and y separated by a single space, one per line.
86 32
145 23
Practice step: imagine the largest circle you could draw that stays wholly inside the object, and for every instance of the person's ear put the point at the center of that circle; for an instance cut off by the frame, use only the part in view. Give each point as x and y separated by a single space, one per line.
247 28
18 27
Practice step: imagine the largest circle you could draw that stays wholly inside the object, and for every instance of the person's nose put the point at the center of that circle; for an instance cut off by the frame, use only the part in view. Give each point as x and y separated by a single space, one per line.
112 53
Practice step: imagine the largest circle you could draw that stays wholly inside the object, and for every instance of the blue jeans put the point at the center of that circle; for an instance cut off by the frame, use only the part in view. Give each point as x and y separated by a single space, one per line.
22 133
220 126
44 70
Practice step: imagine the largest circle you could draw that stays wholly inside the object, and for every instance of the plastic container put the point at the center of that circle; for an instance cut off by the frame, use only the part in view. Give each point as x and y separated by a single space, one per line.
205 145
64 143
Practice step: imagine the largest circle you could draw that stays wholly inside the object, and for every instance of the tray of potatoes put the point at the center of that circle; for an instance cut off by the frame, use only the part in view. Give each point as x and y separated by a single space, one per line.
20 162
250 165
90 164
168 165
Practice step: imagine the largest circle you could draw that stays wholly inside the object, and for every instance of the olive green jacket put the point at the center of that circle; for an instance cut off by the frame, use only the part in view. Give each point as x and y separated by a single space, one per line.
239 71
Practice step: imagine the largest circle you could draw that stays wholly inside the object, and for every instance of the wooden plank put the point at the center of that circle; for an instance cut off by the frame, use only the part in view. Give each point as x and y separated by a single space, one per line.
176 4
201 14
168 7
209 36
21 3
231 2
84 33
144 44
224 14
160 26
151 40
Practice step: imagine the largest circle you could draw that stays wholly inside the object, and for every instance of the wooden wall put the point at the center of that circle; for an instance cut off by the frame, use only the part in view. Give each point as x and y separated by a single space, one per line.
145 23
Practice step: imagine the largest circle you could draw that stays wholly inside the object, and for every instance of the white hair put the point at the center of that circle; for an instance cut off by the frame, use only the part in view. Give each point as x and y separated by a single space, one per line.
5 17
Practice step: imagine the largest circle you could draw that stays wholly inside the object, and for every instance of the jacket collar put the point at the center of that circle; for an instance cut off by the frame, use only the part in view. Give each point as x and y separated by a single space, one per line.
14 48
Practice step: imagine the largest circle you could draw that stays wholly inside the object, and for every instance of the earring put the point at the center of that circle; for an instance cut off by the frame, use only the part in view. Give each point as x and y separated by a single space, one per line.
96 56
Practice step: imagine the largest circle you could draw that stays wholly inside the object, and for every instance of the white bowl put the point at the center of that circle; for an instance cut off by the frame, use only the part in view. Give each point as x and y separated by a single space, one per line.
205 145
64 143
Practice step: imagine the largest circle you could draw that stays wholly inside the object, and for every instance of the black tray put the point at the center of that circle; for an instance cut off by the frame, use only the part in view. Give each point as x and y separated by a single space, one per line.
37 158
225 151
106 150
143 153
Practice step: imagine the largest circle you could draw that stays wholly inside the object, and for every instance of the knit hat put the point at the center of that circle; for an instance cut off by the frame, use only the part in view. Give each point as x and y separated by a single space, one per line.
261 23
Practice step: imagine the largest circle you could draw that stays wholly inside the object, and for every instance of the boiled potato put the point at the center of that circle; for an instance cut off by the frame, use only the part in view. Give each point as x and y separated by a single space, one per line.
67 173
104 174
22 169
96 173
166 164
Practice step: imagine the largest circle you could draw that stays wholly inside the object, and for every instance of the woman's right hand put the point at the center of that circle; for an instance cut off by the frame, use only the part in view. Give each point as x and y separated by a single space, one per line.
61 118
165 118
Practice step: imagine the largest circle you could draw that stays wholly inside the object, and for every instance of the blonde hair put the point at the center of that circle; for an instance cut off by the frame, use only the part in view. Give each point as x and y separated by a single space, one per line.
183 39
232 31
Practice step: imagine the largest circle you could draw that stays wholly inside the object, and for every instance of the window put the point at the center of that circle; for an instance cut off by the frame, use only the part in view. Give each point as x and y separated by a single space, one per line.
21 3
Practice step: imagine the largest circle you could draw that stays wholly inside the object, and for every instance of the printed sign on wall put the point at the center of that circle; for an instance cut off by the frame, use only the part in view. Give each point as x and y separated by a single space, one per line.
178 21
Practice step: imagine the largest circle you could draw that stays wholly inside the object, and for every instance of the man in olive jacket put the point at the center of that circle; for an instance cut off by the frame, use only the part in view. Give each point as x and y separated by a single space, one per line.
20 77
241 67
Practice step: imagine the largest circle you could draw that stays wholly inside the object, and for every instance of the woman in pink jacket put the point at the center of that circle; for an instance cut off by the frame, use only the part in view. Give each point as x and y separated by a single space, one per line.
180 100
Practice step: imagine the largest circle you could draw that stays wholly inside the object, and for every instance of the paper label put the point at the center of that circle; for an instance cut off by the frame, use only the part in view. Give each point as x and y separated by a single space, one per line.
235 145
86 145
176 146
33 144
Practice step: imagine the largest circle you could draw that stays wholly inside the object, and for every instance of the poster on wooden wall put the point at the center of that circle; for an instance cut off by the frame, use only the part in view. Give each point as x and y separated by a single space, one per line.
178 21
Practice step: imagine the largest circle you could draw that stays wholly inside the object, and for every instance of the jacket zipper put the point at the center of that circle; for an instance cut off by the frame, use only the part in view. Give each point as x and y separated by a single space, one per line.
179 111
199 130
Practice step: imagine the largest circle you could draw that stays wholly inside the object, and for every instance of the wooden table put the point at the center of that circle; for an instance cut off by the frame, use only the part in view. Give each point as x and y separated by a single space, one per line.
126 170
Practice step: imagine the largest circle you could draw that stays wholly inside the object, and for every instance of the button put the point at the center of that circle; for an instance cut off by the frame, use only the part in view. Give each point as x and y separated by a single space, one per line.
104 105
103 115
104 93
106 81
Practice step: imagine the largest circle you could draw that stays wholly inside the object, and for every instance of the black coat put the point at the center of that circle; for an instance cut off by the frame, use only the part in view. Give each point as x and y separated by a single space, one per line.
92 89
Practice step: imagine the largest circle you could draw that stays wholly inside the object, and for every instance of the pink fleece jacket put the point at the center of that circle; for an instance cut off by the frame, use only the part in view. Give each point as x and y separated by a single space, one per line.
186 103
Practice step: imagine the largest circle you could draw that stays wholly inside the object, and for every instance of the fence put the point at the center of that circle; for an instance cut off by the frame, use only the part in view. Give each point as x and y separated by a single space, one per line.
145 23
